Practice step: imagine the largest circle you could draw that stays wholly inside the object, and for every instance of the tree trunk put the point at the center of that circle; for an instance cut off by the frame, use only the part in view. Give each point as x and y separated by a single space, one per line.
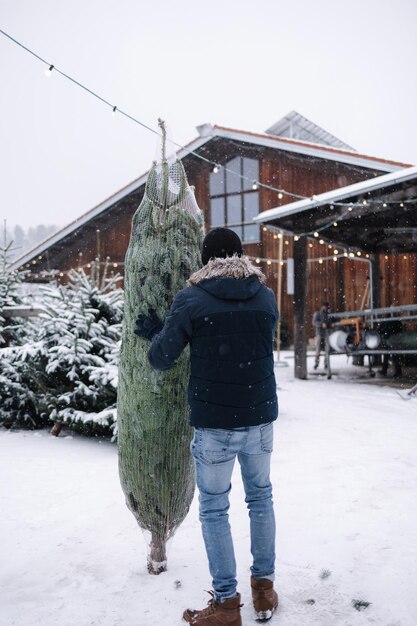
157 557
56 428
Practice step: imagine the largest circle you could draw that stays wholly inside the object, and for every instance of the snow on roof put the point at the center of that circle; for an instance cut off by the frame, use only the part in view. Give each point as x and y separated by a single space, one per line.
336 195
304 147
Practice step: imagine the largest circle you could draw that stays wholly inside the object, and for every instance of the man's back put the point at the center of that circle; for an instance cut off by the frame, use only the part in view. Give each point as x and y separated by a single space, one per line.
229 316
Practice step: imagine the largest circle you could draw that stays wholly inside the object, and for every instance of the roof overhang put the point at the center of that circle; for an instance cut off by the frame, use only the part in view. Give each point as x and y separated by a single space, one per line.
377 215
78 223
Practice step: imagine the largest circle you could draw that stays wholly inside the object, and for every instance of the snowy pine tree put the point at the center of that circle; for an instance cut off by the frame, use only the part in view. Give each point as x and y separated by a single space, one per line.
9 292
80 331
70 359
18 402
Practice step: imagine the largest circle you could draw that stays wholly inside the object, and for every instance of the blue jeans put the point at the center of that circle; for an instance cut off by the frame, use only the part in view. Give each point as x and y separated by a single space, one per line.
215 451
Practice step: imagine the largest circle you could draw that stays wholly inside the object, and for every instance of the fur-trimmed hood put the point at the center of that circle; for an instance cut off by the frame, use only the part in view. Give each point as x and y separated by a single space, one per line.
232 278
230 267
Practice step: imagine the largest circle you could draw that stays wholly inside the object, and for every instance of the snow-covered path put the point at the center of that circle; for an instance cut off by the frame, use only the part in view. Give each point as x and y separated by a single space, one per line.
345 479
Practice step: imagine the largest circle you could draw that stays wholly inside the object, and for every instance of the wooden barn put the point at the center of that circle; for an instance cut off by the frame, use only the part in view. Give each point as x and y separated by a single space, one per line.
237 175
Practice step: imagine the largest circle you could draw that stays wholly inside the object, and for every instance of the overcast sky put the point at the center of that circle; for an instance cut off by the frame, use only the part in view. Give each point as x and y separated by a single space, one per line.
349 66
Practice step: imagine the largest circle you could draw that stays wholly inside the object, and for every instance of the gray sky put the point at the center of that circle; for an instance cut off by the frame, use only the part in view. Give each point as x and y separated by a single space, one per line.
348 66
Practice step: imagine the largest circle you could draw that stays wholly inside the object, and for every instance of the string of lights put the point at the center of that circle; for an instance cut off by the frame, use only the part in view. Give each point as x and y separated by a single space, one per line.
340 251
334 256
216 167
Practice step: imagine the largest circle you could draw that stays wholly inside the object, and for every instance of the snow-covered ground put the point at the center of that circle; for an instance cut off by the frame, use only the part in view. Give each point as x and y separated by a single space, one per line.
345 479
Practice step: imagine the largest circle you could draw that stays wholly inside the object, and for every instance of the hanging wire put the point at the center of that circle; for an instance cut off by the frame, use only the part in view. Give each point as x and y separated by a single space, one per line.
52 68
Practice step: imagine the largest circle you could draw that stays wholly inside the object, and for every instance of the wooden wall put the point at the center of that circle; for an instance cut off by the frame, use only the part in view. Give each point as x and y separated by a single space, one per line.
342 283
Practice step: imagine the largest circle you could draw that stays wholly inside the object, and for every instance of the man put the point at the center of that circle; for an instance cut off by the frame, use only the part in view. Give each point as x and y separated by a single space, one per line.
321 323
228 317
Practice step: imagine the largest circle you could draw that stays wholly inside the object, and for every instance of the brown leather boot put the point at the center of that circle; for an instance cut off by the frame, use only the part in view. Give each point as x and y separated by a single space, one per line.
225 613
265 599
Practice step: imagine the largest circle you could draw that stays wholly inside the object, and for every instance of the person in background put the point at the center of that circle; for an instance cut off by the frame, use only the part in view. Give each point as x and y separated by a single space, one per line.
388 329
228 317
322 322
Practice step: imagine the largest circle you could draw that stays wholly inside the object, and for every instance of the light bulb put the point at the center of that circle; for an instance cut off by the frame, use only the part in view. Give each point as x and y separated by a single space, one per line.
254 185
215 169
48 71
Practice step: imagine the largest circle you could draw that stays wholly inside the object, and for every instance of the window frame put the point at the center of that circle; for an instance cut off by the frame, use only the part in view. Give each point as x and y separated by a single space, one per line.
245 188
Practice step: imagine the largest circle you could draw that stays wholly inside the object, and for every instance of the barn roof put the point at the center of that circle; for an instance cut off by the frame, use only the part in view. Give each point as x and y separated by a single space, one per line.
307 148
377 215
209 133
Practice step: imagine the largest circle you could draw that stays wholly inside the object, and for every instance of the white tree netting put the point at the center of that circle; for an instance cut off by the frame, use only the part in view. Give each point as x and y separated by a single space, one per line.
156 468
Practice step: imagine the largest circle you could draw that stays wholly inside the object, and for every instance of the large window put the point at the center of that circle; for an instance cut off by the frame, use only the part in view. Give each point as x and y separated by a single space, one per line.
234 200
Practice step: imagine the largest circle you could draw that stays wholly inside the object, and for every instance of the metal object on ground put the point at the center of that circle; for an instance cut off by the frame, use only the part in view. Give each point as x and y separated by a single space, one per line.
372 339
337 340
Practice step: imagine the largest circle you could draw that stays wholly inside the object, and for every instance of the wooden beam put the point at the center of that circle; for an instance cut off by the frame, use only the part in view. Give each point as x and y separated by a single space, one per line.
300 308
376 281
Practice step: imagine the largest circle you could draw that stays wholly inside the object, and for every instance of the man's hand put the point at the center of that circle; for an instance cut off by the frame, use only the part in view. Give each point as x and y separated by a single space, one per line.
147 326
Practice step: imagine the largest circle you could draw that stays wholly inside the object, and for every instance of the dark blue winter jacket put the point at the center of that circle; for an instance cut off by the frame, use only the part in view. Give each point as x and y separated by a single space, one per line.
228 317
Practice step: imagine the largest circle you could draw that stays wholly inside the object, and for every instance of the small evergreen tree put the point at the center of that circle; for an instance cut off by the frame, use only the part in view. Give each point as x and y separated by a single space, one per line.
80 331
9 291
67 368
18 402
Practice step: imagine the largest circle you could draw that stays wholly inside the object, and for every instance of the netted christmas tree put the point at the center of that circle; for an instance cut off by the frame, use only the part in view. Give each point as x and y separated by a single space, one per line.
156 467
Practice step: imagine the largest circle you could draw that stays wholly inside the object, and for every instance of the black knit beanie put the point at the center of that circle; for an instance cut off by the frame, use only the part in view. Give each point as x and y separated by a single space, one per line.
220 243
